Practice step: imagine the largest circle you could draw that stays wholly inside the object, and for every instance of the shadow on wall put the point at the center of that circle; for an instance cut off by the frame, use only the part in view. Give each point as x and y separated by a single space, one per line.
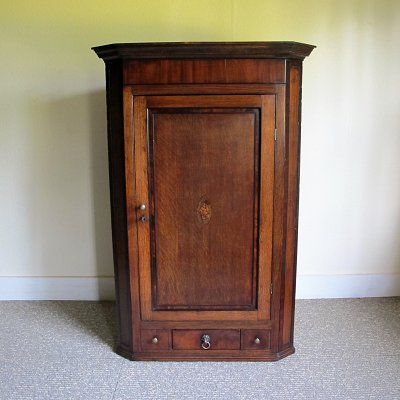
68 186
100 182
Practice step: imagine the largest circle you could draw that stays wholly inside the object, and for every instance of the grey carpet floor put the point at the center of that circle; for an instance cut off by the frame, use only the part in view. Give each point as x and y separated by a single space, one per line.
345 349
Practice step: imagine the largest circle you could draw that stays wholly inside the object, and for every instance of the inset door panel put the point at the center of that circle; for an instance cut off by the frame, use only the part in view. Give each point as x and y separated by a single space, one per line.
204 184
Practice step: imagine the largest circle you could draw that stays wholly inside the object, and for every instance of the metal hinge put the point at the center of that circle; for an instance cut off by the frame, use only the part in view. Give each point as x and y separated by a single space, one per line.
275 134
270 288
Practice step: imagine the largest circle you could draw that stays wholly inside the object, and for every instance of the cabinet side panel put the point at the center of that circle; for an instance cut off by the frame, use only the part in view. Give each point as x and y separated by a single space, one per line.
293 157
115 125
279 215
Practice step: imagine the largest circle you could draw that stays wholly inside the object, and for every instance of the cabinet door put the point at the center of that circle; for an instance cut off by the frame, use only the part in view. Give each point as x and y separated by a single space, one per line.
204 169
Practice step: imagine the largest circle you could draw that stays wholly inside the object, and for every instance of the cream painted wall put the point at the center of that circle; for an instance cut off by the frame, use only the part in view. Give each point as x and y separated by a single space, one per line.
54 206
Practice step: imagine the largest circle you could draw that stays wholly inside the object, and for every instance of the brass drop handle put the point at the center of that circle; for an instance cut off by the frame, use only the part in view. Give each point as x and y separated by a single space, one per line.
154 340
143 218
205 342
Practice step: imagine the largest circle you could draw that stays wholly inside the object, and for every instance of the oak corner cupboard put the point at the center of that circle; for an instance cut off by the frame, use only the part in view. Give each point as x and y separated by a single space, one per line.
204 145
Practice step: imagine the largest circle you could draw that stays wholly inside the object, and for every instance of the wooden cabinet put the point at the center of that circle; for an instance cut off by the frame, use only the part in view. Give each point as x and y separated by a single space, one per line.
204 164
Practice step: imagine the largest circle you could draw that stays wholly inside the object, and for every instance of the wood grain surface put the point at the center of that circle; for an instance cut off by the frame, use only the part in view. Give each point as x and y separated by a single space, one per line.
204 143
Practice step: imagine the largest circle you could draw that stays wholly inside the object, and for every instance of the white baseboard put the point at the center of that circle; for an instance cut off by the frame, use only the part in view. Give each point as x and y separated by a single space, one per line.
347 286
57 288
83 288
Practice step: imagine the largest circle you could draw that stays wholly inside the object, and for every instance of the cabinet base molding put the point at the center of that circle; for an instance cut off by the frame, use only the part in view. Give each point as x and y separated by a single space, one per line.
231 356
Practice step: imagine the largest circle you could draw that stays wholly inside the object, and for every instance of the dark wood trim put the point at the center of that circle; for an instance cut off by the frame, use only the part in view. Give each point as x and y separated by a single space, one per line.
279 215
189 71
215 355
116 148
203 50
291 176
205 324
131 201
295 74
215 89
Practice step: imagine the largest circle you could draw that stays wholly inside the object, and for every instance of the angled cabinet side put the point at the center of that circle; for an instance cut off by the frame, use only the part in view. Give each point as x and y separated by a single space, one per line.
204 143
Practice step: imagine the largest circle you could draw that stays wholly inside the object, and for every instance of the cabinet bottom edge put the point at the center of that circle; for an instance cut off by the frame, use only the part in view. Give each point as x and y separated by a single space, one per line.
237 356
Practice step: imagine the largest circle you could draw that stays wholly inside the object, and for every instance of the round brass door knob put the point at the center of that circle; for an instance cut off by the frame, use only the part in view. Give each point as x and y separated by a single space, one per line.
257 340
154 340
142 207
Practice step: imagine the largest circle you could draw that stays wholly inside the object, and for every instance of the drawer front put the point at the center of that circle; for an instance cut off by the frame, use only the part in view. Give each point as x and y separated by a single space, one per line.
206 340
155 339
256 339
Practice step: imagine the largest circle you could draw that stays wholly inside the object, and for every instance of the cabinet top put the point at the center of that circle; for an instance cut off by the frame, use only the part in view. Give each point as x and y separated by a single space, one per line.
176 50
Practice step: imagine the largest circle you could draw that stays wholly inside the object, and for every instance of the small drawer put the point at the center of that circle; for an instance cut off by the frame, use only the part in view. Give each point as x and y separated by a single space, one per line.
206 339
256 339
155 339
